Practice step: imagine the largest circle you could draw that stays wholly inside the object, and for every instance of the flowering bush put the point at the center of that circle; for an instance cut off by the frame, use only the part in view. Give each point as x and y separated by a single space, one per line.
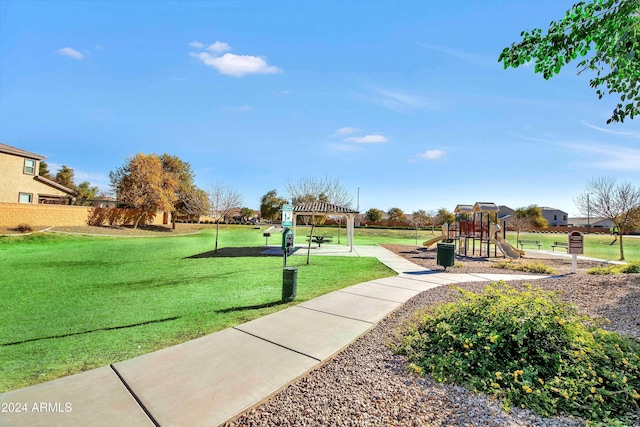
528 267
528 348
632 267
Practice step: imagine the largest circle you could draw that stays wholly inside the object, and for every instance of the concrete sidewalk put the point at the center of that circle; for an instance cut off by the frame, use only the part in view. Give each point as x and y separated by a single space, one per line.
211 379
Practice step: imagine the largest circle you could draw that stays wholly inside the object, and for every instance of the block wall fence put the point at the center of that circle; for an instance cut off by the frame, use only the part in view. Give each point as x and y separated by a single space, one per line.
13 214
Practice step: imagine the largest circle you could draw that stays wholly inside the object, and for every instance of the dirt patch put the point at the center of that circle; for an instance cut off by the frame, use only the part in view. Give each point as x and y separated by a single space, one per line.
468 264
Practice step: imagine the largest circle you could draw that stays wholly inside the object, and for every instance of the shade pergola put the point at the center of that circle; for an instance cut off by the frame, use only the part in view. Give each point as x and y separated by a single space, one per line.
322 209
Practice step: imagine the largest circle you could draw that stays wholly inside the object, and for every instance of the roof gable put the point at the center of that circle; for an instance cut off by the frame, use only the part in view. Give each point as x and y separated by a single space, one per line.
55 185
7 149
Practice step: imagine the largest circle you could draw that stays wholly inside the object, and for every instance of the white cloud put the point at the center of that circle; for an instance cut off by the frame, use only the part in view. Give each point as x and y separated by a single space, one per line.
196 44
611 157
67 51
432 154
347 131
615 132
460 54
367 139
401 101
99 47
219 47
237 65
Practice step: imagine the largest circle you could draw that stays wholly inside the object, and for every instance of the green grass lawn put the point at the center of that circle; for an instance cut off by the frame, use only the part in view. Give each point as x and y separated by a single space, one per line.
368 236
595 245
72 303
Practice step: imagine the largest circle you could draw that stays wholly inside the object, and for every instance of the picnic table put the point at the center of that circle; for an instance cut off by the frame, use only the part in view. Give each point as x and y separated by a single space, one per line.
320 240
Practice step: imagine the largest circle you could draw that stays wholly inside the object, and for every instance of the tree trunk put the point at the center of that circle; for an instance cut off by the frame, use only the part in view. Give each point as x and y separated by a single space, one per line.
138 218
313 226
621 248
217 229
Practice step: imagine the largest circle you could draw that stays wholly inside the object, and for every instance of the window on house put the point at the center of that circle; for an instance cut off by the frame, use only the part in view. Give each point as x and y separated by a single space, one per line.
564 217
29 166
555 217
25 198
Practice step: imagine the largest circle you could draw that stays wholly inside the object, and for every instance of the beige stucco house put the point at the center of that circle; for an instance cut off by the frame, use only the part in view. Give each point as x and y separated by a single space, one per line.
20 182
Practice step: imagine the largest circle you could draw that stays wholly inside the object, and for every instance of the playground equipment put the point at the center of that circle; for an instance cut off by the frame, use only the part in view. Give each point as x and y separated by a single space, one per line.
476 223
507 249
444 235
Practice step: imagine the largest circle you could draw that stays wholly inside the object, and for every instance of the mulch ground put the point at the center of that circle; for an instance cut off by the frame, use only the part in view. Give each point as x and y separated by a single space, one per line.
470 264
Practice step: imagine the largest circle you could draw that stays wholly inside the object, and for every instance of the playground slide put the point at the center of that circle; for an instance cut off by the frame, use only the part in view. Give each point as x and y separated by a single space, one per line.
434 240
507 249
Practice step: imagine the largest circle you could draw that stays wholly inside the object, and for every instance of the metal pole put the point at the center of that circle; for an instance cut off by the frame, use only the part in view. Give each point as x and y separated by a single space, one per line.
588 215
357 209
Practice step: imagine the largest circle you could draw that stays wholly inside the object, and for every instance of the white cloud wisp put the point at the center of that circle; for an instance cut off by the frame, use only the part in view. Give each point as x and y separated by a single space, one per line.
367 139
72 53
432 154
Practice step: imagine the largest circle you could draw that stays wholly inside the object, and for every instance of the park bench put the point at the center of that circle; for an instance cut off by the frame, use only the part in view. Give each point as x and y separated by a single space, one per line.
563 245
521 243
320 240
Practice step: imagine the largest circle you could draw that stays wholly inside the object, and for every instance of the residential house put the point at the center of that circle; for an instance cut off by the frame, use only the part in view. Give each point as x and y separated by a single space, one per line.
504 212
20 182
554 216
592 222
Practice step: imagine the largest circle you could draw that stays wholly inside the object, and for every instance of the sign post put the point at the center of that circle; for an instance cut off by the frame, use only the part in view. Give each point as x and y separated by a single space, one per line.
575 247
287 215
287 234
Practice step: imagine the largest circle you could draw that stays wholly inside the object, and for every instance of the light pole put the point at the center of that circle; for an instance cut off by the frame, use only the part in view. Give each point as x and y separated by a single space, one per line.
358 209
588 215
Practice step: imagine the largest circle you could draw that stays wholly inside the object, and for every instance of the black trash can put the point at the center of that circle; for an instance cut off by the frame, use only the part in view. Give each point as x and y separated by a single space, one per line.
289 283
445 255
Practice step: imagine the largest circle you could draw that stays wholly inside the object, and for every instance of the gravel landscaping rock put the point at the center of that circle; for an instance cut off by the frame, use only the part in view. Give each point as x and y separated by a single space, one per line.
368 385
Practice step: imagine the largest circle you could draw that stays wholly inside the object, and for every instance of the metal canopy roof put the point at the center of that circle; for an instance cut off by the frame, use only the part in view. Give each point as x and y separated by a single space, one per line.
321 207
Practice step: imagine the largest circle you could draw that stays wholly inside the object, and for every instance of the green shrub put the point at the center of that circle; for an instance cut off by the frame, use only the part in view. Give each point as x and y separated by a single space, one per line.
632 267
529 349
610 269
23 228
529 267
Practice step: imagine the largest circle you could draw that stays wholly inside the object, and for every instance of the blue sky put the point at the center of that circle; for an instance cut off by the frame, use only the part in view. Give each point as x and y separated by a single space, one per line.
404 100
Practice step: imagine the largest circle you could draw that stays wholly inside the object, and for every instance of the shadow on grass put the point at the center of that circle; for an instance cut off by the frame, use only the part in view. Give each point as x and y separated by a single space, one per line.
112 328
251 307
231 253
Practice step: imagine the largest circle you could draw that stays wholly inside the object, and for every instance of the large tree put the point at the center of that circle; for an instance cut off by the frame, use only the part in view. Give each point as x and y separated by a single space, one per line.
525 218
617 202
86 191
444 216
395 214
611 28
270 205
143 184
373 215
43 170
190 199
65 176
312 189
223 199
